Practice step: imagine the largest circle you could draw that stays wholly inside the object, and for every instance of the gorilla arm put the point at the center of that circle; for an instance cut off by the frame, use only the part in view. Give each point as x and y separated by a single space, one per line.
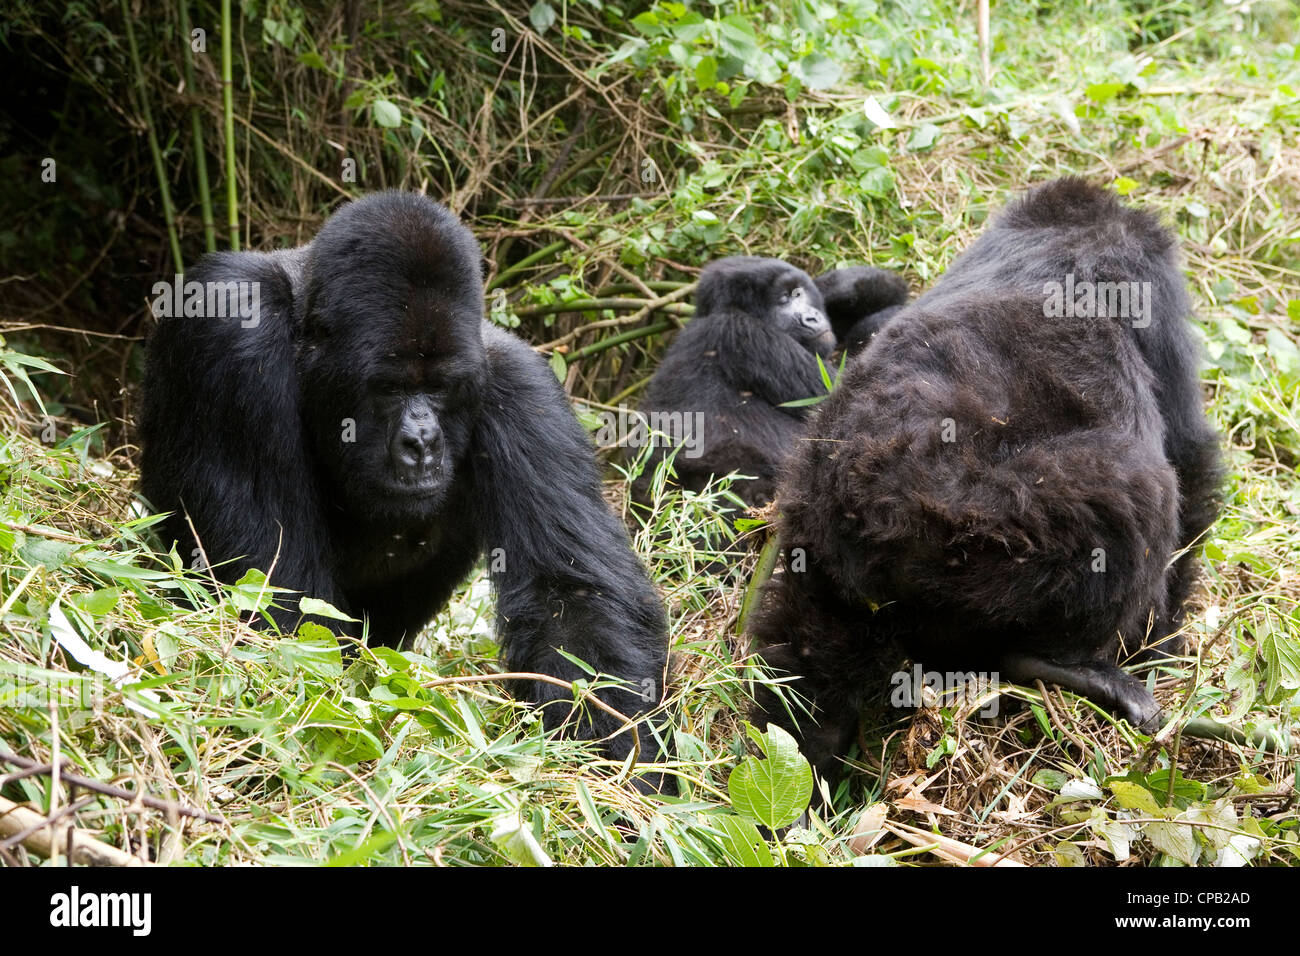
855 293
564 573
770 363
222 435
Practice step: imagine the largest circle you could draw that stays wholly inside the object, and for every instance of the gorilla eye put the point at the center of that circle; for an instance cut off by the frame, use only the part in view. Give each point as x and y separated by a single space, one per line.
796 292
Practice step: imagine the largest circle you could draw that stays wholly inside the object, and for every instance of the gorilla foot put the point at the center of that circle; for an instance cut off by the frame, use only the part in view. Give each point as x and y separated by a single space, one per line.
1105 684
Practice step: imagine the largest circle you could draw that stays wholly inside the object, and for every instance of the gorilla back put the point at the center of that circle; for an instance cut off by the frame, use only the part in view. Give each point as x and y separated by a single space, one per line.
998 482
367 436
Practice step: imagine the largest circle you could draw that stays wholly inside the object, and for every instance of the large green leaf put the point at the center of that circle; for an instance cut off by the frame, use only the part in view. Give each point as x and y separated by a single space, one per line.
774 791
745 845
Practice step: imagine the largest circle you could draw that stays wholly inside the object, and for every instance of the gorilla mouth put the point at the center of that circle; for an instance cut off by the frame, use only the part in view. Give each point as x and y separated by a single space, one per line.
823 344
426 487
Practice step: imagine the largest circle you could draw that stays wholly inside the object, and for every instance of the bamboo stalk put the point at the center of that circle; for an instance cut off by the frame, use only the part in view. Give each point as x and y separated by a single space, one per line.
169 211
599 305
542 253
196 127
620 339
87 851
228 111
762 574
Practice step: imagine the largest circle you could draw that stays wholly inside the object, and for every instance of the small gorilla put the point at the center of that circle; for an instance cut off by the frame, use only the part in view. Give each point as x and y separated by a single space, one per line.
752 346
859 301
367 436
998 485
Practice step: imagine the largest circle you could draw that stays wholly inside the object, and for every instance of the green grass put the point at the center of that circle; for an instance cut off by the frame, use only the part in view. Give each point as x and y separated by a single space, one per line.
309 756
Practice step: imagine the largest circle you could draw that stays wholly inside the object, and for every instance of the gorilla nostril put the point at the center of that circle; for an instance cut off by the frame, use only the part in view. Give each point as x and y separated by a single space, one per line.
418 448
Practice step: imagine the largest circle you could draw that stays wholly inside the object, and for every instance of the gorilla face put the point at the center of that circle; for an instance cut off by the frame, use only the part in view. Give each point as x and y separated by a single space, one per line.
799 312
772 291
390 373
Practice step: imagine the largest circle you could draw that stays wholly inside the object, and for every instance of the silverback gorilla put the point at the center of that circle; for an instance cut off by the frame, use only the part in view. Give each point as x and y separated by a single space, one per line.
759 327
367 437
1000 480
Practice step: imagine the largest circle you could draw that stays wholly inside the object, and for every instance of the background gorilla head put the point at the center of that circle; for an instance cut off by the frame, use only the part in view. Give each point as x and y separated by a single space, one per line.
390 357
772 291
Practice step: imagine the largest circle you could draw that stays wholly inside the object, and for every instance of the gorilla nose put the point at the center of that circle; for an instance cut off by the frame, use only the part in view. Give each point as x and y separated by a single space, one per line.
417 448
815 321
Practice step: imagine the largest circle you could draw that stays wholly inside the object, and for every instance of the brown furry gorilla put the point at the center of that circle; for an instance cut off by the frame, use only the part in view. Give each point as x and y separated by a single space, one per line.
1000 480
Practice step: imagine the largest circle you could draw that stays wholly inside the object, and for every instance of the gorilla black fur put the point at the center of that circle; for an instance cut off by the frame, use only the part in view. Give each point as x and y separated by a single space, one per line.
369 436
980 464
859 301
753 344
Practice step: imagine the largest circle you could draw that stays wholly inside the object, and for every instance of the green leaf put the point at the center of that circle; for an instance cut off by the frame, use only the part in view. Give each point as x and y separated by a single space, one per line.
648 23
1068 854
279 31
1281 657
1133 796
816 71
774 791
541 16
1158 783
1052 780
11 539
393 658
514 837
1104 92
1233 331
923 137
1124 186
52 554
309 653
942 749
877 182
1240 679
311 631
558 365
706 72
737 38
332 730
744 844
1283 351
96 603
1174 839
866 160
322 609
312 59
387 114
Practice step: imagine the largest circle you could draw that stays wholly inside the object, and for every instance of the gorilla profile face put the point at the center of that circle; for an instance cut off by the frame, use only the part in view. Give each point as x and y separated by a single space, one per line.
769 290
390 371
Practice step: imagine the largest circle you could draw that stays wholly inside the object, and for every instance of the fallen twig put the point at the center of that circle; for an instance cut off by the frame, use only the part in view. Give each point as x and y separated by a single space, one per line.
107 789
40 838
